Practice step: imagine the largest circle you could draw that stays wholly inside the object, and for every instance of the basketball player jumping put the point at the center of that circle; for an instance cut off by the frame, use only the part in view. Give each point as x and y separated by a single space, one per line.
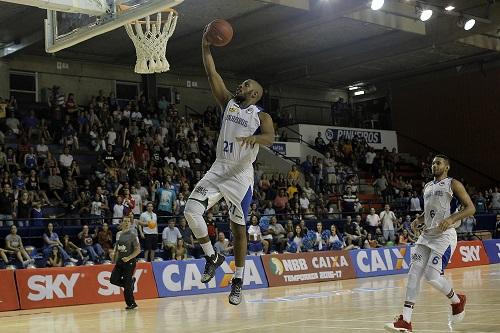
437 242
231 176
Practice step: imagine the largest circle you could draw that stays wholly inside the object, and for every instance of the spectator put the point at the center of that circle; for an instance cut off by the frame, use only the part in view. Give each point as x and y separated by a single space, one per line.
335 241
279 235
348 202
212 227
380 184
255 244
298 236
24 206
303 202
166 199
149 222
379 237
480 203
495 200
118 210
51 239
13 124
65 159
352 234
319 143
14 243
373 221
170 235
105 239
222 245
31 159
3 255
319 243
7 212
55 258
405 238
193 248
71 248
415 203
280 202
180 250
387 219
369 159
306 167
466 228
294 174
30 124
94 250
497 227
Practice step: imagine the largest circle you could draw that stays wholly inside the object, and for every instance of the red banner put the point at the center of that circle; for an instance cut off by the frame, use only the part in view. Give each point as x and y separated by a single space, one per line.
469 253
8 291
307 267
49 287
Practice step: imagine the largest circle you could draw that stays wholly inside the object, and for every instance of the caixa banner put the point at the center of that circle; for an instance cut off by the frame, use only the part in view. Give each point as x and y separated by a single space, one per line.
381 261
492 247
48 287
177 278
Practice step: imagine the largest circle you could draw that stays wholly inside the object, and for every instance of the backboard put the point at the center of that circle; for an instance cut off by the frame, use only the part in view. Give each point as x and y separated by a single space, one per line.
64 29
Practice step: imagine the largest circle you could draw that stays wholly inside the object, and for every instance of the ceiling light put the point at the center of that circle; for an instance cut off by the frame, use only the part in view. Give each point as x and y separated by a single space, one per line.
353 88
469 24
359 93
425 14
377 4
449 8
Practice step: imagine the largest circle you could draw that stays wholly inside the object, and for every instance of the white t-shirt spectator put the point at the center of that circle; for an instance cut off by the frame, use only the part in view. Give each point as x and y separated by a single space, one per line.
415 205
111 137
387 219
136 115
146 217
96 208
171 235
370 157
304 202
66 160
373 220
169 160
117 213
183 164
148 122
495 200
138 203
254 232
42 150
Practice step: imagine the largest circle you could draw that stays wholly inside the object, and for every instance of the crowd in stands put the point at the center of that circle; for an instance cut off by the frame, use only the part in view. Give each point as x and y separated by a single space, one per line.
97 163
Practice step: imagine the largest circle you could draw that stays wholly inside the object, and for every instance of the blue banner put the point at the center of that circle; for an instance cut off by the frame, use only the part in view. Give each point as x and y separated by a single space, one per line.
492 247
381 261
182 277
279 148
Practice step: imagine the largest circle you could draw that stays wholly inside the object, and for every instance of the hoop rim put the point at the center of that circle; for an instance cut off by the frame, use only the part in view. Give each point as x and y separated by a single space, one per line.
123 8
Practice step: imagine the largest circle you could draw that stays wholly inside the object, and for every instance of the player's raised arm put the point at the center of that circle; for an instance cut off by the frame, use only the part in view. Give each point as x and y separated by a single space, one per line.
219 90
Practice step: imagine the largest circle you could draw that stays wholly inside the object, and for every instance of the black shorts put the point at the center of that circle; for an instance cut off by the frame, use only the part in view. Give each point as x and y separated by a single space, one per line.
150 242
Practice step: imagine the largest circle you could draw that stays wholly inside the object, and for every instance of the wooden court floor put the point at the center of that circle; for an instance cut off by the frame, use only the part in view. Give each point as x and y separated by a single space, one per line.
362 305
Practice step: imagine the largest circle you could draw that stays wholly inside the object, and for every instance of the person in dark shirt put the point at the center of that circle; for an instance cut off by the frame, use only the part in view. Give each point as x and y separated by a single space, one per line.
127 248
6 206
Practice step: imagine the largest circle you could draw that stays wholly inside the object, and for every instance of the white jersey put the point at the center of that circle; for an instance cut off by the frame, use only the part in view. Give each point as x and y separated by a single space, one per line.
237 122
438 204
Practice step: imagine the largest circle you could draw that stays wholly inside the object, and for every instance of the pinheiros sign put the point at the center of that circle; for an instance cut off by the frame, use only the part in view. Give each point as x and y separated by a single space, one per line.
307 267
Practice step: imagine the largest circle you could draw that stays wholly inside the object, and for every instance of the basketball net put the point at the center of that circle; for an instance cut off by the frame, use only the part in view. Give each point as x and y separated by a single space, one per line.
150 39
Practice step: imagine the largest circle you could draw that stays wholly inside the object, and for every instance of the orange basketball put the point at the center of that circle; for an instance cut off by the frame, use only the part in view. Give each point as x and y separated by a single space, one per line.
151 224
219 32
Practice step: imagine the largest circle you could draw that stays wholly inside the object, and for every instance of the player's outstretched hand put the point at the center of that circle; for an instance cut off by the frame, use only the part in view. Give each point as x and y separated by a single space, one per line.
204 39
247 141
445 224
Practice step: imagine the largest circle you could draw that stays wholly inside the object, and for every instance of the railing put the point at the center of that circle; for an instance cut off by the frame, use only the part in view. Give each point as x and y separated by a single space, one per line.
453 159
307 114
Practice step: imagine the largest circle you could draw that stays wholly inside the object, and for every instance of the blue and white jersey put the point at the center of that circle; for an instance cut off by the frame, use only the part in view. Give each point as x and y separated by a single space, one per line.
439 203
237 122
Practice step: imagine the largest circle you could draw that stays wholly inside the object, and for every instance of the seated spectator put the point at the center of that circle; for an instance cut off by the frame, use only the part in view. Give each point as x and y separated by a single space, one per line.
255 244
379 237
10 156
212 227
370 243
30 124
180 250
94 250
480 203
278 233
294 174
280 202
24 206
348 202
55 259
319 243
7 211
105 239
13 123
298 236
71 248
65 159
352 232
51 239
319 143
495 200
222 245
269 210
264 183
497 227
405 238
14 243
71 105
170 235
44 131
3 255
466 228
372 221
31 159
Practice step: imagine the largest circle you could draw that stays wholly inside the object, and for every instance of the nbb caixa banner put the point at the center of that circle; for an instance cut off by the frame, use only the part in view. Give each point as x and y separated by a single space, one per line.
381 261
307 267
177 278
48 287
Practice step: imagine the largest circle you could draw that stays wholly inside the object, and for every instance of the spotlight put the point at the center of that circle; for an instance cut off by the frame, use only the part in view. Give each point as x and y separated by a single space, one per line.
353 88
377 4
469 24
449 8
425 14
359 93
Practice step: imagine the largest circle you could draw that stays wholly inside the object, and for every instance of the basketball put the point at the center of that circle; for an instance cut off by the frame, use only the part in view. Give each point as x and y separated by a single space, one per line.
151 224
219 32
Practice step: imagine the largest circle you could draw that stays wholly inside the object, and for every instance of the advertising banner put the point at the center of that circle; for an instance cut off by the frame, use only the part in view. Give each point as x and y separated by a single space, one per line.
468 253
49 287
492 247
177 278
381 261
8 291
307 267
279 147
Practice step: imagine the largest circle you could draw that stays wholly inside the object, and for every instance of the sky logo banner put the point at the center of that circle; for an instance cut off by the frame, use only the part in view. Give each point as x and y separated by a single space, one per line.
177 278
381 261
492 247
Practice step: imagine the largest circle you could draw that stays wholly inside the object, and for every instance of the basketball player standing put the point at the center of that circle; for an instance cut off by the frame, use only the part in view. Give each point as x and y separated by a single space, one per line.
437 242
231 176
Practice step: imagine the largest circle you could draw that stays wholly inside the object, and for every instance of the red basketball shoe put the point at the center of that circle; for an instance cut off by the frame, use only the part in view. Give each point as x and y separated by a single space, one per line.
458 310
399 326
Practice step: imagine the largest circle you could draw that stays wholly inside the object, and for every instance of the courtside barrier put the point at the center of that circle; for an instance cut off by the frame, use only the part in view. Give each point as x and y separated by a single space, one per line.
49 287
468 253
8 291
492 247
177 278
381 261
307 267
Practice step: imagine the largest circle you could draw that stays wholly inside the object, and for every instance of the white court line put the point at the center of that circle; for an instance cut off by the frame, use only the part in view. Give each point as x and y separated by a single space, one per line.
261 326
371 329
381 321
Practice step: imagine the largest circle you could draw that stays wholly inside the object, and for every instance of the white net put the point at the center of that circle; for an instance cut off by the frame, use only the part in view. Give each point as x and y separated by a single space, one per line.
150 39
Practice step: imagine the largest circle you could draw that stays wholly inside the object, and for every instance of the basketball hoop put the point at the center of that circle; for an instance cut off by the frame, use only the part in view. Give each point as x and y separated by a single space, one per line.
150 36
